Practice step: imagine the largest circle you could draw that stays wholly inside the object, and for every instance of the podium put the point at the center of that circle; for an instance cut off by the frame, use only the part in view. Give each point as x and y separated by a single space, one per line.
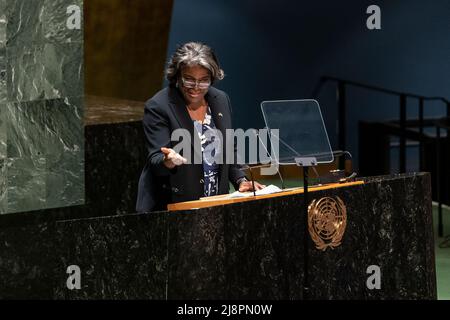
252 249
238 249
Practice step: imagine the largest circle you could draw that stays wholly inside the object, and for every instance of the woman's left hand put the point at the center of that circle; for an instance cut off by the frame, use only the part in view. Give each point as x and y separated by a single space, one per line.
248 186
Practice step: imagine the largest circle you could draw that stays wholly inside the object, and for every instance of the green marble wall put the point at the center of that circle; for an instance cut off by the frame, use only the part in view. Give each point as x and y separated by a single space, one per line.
41 106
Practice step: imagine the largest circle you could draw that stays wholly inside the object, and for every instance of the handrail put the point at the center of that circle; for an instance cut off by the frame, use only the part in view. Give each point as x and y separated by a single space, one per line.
324 79
341 95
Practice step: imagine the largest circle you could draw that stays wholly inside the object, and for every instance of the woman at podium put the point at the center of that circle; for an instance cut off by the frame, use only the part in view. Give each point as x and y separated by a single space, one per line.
192 104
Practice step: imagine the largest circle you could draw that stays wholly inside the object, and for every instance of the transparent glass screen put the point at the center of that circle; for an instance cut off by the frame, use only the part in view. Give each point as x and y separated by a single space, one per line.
301 128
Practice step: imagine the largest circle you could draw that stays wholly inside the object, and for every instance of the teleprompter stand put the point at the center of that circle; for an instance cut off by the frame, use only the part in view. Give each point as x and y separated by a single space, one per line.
298 136
305 163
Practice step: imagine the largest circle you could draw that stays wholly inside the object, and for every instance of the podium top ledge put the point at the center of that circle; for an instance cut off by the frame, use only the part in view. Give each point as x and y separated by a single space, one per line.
223 199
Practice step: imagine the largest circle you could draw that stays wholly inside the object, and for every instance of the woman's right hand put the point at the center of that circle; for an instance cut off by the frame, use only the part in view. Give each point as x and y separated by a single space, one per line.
172 159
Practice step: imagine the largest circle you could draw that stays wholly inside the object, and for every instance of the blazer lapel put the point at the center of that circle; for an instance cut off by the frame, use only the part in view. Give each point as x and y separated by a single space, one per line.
222 121
179 109
218 112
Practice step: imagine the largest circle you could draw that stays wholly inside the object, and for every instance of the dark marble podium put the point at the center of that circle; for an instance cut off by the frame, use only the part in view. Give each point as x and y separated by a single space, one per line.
253 250
249 250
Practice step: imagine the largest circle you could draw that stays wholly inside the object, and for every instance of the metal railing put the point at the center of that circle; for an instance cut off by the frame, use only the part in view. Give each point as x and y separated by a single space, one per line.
341 99
438 124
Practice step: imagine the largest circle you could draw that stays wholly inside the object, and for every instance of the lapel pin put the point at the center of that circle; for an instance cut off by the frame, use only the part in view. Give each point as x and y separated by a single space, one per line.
220 114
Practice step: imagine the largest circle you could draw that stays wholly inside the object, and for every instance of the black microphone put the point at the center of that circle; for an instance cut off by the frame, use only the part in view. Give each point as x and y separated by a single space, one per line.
267 151
340 153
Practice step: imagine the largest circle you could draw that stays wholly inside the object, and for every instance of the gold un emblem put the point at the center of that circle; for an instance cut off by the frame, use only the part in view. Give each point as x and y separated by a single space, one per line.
327 219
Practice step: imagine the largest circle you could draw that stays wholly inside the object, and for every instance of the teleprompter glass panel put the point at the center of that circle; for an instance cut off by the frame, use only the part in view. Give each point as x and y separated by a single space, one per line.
302 132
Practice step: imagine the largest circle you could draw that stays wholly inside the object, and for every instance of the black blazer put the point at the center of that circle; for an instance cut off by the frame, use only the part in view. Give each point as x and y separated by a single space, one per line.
159 186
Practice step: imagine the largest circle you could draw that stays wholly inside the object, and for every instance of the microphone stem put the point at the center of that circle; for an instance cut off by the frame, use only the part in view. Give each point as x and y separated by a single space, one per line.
253 181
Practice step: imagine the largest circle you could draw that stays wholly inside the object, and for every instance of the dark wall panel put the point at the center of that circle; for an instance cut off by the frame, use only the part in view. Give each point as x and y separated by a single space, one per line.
126 43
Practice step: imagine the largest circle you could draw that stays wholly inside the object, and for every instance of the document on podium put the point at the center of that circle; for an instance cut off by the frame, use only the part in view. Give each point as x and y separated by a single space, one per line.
267 190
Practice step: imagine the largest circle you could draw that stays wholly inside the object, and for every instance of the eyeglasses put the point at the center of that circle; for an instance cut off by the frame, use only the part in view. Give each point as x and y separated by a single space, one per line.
191 84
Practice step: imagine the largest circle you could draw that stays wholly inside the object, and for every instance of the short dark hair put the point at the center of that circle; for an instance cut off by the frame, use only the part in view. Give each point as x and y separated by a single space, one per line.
190 54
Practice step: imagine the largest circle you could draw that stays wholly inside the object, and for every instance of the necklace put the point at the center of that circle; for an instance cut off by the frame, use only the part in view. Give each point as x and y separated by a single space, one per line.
199 108
197 114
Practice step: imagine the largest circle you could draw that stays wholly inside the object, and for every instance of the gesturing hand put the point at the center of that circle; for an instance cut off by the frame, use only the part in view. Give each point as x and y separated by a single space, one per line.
172 159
